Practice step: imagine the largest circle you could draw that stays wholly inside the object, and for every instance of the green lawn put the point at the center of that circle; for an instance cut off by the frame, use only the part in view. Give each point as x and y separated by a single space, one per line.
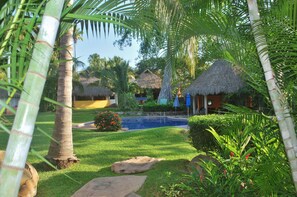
97 151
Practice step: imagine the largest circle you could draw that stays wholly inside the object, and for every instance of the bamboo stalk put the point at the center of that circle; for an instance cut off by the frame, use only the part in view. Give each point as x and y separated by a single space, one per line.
23 126
277 97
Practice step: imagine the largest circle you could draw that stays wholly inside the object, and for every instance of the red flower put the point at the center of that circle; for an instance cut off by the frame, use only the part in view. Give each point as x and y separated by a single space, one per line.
247 156
231 154
225 172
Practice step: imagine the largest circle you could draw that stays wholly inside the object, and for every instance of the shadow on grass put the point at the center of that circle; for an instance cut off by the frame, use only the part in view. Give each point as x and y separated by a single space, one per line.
163 173
98 150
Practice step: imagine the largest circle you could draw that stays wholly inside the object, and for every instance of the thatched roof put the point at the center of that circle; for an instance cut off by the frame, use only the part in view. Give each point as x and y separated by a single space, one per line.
89 89
219 78
147 79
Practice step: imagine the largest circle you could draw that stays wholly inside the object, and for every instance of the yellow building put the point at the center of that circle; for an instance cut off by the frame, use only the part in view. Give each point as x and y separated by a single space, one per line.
91 96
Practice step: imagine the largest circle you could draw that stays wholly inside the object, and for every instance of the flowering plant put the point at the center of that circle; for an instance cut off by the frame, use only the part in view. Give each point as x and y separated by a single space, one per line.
107 121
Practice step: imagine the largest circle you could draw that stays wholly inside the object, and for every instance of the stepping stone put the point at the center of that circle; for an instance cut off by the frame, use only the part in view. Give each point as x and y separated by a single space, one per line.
119 186
134 165
132 195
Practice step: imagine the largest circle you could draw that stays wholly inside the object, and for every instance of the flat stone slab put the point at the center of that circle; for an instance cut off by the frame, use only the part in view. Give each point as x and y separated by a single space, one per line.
134 165
118 186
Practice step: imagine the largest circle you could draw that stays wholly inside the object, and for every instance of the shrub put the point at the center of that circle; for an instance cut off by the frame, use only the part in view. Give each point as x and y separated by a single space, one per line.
200 137
127 102
252 163
152 106
107 121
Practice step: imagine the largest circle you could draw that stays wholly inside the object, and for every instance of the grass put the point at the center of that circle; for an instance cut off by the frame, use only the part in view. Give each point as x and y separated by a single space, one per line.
98 150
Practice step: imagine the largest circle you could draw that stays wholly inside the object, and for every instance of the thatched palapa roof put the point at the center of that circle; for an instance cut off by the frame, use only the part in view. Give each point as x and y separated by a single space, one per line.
219 78
89 89
149 80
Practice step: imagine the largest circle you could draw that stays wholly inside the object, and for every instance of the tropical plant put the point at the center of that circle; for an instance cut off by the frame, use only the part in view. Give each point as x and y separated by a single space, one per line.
249 163
127 102
279 101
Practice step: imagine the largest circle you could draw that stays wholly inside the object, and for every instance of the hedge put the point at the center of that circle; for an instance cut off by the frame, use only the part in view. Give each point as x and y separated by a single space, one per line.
154 107
200 137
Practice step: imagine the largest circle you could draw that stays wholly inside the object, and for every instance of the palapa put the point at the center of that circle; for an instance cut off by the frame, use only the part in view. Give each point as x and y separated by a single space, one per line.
221 77
89 89
149 80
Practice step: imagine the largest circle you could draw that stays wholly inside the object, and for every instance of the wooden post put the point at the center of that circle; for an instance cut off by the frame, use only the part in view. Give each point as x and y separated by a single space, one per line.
205 104
198 103
194 105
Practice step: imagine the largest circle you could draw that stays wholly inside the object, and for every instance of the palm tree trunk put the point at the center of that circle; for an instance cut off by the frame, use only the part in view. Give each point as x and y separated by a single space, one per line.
23 127
61 153
279 102
165 92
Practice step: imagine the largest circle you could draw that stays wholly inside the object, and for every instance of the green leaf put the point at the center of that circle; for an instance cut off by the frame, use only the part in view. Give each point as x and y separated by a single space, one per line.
55 102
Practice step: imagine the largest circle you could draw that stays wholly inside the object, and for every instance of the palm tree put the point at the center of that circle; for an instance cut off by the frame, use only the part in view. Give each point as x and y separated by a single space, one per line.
62 153
61 148
172 17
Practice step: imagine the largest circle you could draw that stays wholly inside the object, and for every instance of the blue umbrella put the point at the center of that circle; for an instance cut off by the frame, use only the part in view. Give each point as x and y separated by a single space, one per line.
188 100
176 102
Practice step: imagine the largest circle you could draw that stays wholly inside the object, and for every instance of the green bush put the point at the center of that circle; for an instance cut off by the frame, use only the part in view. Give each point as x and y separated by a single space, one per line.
107 121
252 162
153 106
200 137
127 102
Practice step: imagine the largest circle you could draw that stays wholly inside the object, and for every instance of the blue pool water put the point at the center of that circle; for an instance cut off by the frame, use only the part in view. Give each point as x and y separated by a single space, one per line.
145 122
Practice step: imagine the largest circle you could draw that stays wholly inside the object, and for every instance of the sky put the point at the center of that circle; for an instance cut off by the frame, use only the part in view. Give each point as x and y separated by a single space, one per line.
105 48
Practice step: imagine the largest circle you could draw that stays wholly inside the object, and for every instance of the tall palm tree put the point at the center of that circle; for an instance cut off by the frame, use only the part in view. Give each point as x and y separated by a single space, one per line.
61 148
172 17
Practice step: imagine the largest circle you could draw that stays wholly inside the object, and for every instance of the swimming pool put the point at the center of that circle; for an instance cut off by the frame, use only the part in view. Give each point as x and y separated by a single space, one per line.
145 122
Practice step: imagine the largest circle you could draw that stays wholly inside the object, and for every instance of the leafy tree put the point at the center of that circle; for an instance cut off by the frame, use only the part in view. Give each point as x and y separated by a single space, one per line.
117 75
156 65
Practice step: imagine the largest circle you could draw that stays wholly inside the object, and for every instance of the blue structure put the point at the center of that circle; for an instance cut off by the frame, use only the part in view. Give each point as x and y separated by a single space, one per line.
176 102
188 102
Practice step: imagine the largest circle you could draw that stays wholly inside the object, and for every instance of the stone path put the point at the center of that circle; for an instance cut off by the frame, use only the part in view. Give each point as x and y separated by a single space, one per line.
134 165
119 186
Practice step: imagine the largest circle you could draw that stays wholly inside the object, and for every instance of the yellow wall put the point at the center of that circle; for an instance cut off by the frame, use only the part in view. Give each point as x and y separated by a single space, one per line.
91 104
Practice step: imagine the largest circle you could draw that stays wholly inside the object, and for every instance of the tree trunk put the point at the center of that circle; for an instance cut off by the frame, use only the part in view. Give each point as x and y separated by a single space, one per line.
23 127
165 92
61 154
277 97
